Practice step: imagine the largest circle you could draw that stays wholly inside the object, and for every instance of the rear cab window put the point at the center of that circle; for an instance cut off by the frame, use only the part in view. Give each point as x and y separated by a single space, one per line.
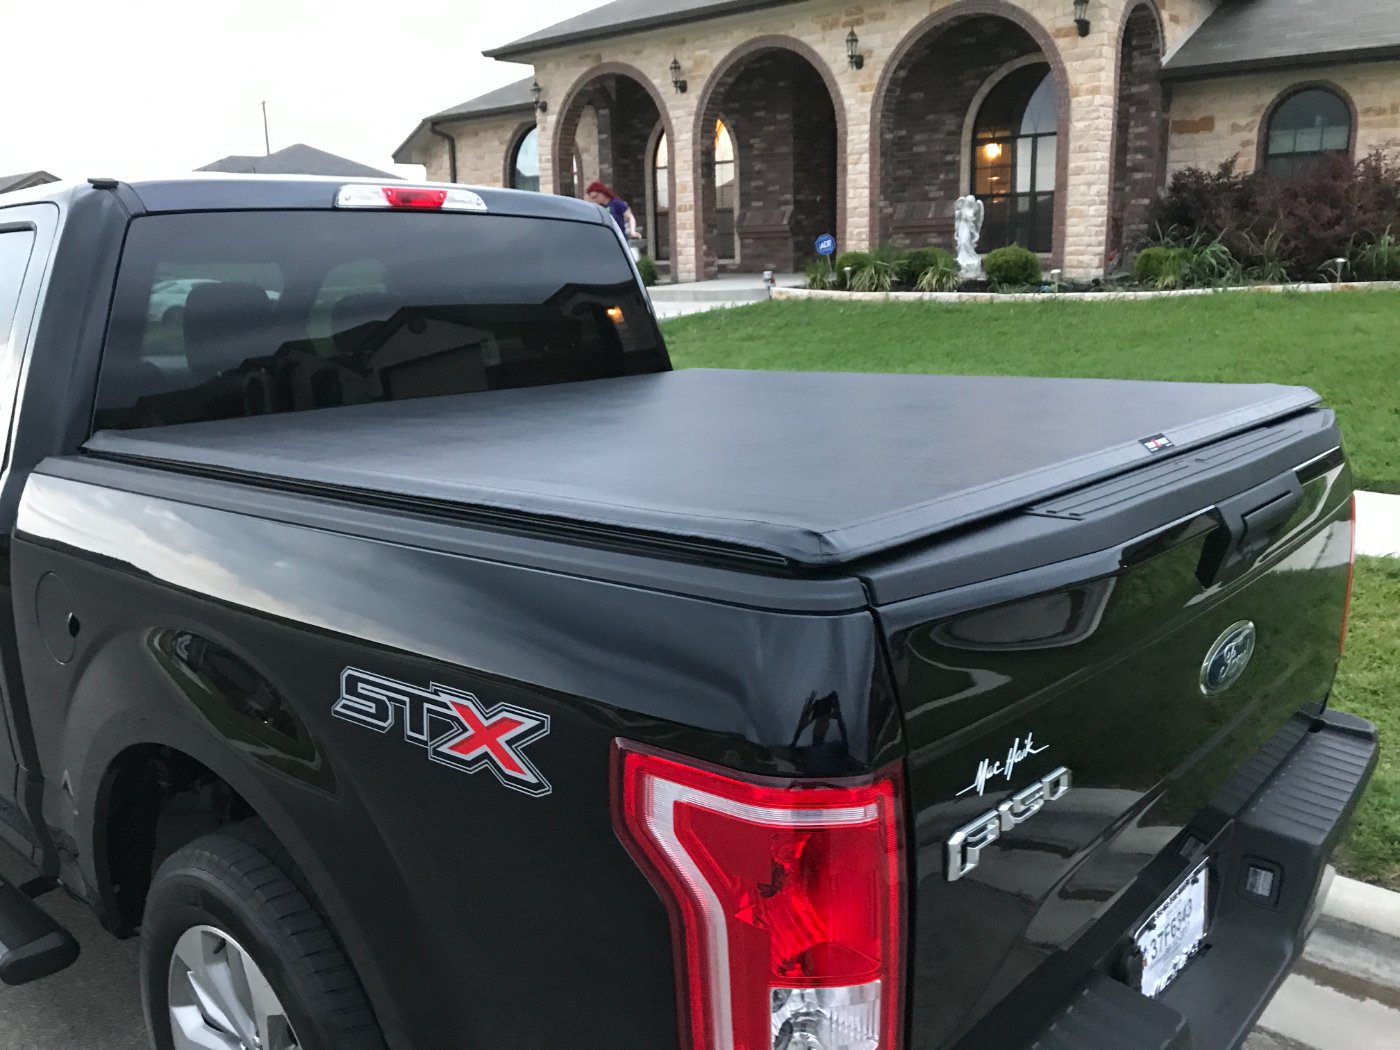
224 314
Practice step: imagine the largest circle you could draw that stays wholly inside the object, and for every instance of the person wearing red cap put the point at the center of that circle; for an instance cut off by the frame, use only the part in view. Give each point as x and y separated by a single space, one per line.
601 193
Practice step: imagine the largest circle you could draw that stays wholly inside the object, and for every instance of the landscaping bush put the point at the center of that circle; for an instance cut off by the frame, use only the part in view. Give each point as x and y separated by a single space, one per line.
647 268
854 261
1153 262
1283 228
1013 266
945 275
1379 260
915 263
819 275
874 275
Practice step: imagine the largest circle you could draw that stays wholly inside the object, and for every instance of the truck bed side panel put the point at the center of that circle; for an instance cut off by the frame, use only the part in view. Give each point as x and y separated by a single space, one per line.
227 637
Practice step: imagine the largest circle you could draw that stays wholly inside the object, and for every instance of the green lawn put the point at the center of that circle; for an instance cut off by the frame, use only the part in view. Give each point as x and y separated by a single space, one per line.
1345 346
1369 685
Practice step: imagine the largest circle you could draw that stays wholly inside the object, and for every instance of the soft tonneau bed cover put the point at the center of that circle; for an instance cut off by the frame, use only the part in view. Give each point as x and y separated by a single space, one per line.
815 468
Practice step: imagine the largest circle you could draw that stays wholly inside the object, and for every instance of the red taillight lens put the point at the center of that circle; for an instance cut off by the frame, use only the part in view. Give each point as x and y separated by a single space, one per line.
1351 578
411 197
785 900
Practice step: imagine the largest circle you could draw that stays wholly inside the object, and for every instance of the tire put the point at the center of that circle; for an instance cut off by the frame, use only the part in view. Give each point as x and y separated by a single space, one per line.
237 888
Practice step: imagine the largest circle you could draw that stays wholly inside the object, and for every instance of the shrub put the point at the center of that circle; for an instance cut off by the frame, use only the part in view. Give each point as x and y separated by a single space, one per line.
1012 266
647 268
1284 227
854 261
1153 262
818 274
1380 260
945 275
875 275
1196 262
915 263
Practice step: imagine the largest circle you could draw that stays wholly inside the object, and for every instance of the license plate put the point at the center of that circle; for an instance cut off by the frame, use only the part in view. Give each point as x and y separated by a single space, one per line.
1175 932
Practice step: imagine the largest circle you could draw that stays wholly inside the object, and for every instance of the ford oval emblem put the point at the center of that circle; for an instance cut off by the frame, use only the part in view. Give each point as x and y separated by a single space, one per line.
1228 658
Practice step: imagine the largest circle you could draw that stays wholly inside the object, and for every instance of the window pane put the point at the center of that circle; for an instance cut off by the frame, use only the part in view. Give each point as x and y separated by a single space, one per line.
1046 151
1309 140
15 247
527 163
1282 142
374 307
1039 118
1336 138
1025 160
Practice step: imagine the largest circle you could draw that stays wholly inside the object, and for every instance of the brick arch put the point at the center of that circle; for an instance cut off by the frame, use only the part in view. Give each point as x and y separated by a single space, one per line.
513 147
1261 147
585 90
1136 104
710 106
937 23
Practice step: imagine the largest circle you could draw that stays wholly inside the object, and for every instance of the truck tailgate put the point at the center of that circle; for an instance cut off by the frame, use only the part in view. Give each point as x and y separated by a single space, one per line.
1143 668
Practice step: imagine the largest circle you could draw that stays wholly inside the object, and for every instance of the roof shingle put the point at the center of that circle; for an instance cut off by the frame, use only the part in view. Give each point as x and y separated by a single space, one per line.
298 159
1261 34
623 16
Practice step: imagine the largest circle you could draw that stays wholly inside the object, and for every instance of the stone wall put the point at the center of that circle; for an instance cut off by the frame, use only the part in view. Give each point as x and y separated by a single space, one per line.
922 129
883 26
481 149
1140 138
1212 120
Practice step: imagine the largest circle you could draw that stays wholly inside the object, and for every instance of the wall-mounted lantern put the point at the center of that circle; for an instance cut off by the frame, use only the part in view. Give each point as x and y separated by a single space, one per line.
536 91
1081 16
853 54
677 81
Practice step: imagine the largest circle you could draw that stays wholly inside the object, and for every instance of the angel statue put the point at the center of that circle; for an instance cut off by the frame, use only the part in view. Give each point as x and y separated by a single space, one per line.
968 213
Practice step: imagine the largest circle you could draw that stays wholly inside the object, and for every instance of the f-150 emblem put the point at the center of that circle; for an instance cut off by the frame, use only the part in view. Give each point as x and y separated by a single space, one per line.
456 728
965 846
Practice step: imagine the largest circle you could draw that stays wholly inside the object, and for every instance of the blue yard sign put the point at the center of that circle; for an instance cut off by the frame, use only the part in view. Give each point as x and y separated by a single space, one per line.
826 244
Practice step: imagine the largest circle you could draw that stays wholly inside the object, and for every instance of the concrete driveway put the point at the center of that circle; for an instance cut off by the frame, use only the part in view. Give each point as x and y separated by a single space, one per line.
96 1004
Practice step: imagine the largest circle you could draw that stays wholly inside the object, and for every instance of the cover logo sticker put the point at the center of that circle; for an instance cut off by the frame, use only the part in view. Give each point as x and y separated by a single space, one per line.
456 728
1157 443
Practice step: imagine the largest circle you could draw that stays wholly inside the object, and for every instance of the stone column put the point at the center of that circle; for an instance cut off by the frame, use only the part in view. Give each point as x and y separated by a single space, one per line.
1091 67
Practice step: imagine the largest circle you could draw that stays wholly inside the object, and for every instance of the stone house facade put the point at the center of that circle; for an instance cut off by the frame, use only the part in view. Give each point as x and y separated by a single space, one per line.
740 130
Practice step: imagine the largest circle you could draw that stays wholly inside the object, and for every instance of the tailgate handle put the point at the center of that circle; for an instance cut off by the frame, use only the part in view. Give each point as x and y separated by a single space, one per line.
1250 523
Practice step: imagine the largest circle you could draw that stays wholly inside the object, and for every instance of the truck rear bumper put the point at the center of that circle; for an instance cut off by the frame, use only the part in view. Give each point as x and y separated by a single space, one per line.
1289 829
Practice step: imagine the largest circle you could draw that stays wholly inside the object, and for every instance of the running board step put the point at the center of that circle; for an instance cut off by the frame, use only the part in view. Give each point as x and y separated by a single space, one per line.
32 945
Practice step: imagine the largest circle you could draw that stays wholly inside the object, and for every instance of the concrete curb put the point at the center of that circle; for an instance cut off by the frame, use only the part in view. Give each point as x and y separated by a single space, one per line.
1358 934
1074 297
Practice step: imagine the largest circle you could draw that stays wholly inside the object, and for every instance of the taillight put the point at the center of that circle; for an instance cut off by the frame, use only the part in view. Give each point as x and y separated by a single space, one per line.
420 198
785 900
1351 578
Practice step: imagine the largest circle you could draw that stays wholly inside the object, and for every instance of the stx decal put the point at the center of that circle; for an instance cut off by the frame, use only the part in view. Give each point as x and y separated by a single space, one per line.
455 727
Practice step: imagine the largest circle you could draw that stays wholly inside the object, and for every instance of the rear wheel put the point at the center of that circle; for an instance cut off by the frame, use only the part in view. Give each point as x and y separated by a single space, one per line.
235 957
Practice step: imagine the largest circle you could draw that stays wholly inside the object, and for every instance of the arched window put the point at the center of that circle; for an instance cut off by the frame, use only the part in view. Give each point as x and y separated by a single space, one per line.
525 165
661 200
726 191
1305 127
1013 160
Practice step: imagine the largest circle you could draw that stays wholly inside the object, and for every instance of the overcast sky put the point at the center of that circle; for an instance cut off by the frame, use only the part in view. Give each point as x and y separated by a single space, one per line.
150 86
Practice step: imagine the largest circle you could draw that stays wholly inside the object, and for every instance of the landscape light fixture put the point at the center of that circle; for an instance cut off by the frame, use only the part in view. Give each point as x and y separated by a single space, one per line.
853 54
536 91
677 81
1081 16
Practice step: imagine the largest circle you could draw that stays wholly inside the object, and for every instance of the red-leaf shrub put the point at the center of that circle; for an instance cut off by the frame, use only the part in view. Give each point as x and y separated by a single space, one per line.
1295 225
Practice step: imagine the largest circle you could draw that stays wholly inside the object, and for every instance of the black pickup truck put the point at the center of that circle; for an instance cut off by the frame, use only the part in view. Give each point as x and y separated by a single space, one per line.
413 659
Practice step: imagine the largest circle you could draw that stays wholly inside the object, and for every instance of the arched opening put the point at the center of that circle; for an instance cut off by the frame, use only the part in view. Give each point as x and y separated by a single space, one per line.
1306 127
1014 153
604 130
971 103
767 137
1140 135
525 162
